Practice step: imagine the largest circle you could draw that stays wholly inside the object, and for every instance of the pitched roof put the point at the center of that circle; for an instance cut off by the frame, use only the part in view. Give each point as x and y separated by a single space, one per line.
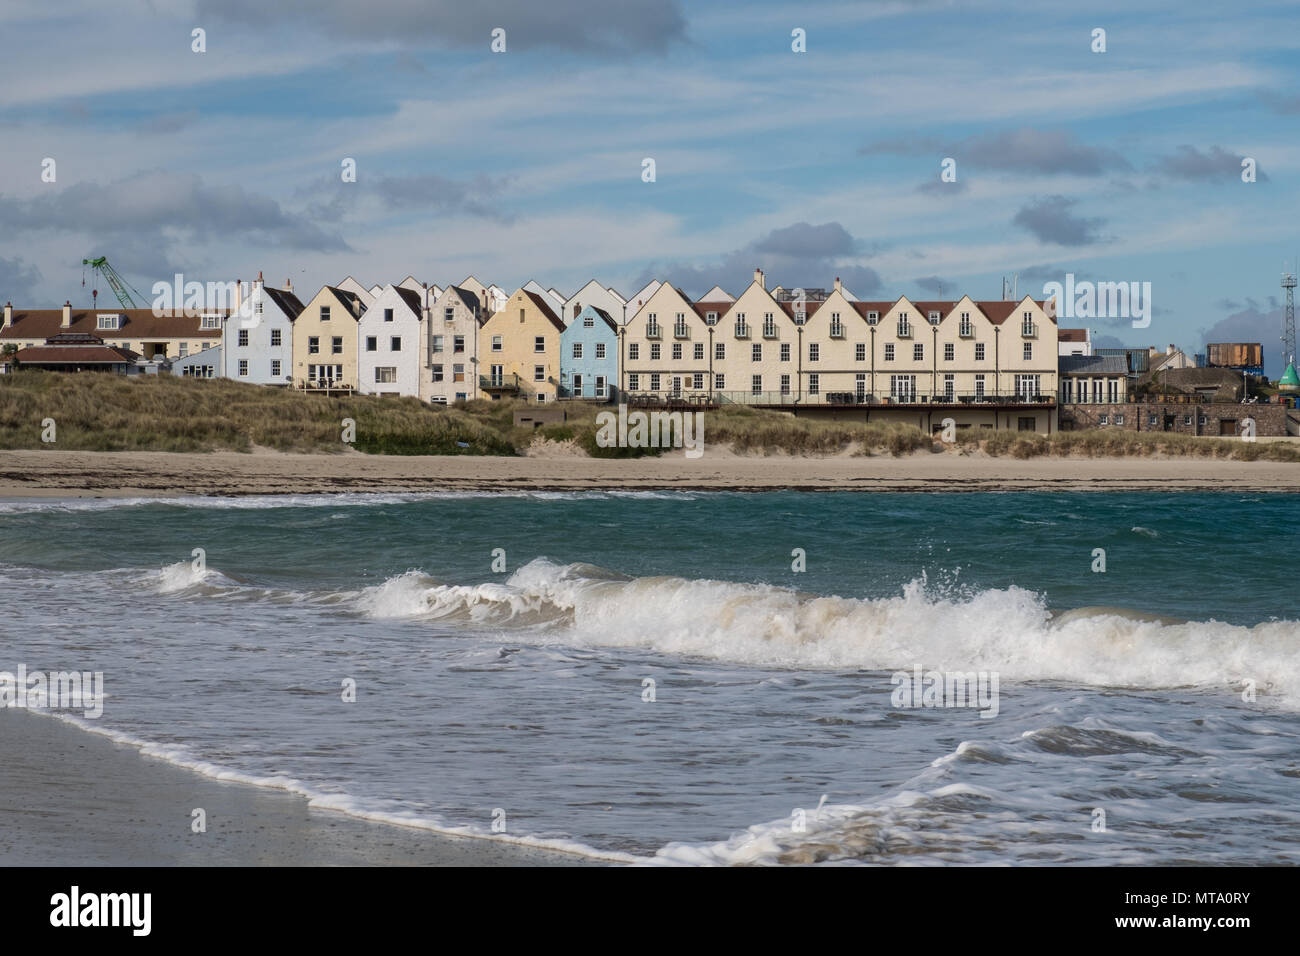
349 299
602 314
138 324
810 306
862 308
80 353
411 298
704 308
468 298
285 301
1000 310
546 309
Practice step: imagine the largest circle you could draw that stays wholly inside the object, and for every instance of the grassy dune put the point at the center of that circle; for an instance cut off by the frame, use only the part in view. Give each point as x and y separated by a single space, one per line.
101 412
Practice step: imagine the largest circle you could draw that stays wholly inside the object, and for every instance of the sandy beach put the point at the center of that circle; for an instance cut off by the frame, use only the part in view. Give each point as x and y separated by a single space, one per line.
73 798
115 474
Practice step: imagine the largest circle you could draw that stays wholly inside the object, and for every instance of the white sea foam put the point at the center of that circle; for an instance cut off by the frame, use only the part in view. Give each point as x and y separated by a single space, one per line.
1007 630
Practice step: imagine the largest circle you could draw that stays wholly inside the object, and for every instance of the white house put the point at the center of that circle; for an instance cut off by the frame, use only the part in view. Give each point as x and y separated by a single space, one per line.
350 284
389 338
598 296
257 340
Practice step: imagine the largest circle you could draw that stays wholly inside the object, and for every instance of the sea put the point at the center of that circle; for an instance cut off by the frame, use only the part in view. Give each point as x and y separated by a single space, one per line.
682 678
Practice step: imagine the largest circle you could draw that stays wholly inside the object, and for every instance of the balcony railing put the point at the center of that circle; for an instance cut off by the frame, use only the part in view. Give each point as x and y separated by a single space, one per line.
837 330
681 331
500 383
769 330
966 329
653 331
904 330
1028 329
833 396
742 330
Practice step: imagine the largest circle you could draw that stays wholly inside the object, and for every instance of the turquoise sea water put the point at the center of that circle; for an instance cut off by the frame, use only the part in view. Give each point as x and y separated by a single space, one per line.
522 695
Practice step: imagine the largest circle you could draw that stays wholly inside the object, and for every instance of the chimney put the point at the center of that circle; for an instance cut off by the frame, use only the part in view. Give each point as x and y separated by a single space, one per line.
1170 350
759 278
288 285
67 316
9 316
260 281
239 294
839 286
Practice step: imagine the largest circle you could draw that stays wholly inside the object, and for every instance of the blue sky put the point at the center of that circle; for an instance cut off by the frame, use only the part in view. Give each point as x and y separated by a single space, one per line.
1123 165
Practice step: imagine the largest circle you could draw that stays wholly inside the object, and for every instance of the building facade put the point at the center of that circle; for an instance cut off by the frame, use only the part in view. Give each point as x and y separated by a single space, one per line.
257 339
451 350
519 353
391 333
589 356
325 340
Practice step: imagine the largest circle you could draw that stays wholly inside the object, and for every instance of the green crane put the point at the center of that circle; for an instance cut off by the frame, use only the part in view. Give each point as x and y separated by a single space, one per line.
115 282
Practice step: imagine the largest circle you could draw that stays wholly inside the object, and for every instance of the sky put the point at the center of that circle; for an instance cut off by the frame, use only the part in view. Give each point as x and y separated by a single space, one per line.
1122 165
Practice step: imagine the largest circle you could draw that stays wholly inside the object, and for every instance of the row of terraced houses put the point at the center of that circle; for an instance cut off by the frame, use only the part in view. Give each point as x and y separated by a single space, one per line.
990 364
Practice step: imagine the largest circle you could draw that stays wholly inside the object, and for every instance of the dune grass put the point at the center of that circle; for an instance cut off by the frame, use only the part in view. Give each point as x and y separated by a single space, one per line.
104 412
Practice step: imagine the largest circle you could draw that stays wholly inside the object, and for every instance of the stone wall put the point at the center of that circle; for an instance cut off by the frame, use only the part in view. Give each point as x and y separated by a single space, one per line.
1185 418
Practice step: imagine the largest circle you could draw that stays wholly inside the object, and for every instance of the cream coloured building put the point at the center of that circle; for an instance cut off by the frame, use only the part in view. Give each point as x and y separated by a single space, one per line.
667 349
325 340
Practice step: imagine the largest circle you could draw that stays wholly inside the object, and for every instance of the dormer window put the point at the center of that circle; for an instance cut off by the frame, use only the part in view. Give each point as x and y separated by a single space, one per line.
873 318
108 322
210 322
711 318
934 318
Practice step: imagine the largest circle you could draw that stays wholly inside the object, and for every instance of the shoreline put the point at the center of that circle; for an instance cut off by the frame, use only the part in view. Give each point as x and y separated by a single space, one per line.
74 797
91 474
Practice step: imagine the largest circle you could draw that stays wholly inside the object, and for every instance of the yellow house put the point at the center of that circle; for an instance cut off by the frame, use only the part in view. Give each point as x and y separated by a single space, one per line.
325 340
519 350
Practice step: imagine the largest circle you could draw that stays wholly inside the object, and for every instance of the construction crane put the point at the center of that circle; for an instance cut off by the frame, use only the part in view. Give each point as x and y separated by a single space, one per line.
115 282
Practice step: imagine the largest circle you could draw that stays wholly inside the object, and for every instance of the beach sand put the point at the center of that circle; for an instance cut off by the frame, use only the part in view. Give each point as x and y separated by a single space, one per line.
73 798
46 473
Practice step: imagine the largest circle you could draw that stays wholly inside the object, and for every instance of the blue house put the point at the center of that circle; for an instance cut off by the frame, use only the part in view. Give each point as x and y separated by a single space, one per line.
589 356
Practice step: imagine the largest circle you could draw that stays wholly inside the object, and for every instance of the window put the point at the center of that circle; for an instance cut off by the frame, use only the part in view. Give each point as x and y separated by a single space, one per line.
699 351
949 351
210 322
275 368
904 326
1027 386
1067 390
275 336
1112 391
600 350
324 313
918 352
711 318
388 317
837 327
1119 419
372 343
437 373
860 352
336 345
577 350
719 381
769 326
655 352
539 343
243 366
497 345
719 351
588 321
654 381
437 343
1151 420
860 384
449 314
633 381
814 384
1029 351
1187 419
814 351
313 345
539 373
633 351
697 380
873 318
756 384
385 374
677 351
902 388
756 352
185 349
934 318
600 386
965 328
458 372
395 344
106 322
541 398
949 387
785 351
257 307
458 343
889 351
1025 424
979 386
979 351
